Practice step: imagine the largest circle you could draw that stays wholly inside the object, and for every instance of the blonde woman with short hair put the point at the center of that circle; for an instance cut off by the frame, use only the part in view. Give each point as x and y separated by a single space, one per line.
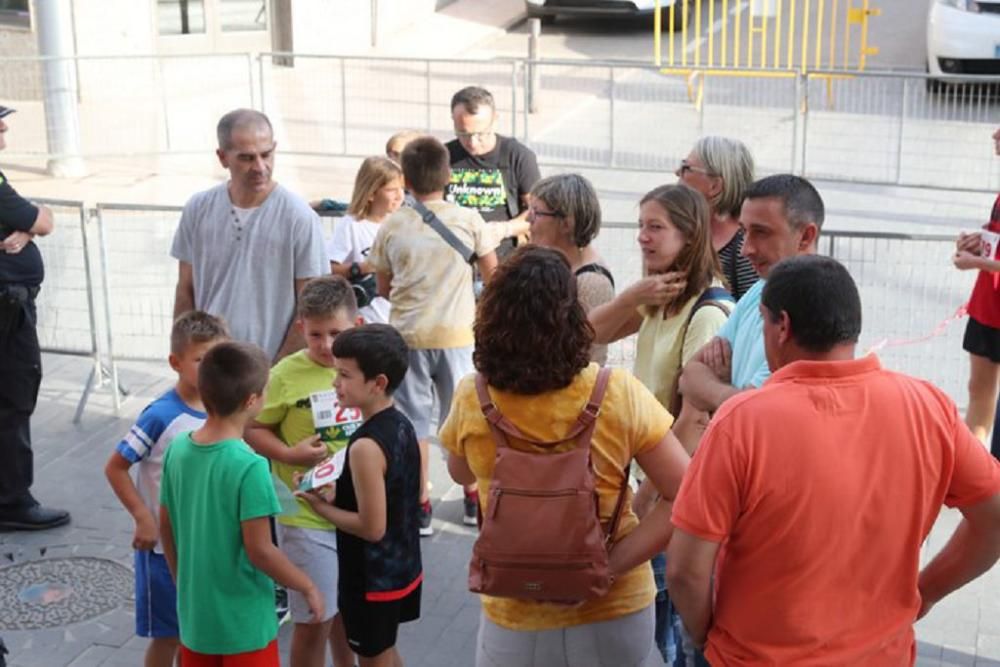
722 169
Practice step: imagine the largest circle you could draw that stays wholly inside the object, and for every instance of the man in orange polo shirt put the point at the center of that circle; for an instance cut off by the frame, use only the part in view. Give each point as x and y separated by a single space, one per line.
817 490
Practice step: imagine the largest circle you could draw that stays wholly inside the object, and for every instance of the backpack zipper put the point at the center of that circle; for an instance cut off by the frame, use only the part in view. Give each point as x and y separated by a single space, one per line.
496 493
570 565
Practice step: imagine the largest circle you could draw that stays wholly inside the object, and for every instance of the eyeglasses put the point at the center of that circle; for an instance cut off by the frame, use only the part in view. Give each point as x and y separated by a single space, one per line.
535 213
474 136
685 168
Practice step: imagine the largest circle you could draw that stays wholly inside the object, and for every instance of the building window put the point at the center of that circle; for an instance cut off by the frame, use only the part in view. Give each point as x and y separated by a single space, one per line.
180 17
15 12
243 15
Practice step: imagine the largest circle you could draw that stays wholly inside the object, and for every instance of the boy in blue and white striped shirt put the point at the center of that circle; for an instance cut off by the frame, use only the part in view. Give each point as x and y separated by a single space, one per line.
177 411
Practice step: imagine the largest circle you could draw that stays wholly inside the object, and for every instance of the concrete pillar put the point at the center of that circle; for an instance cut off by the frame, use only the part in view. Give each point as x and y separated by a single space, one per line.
54 21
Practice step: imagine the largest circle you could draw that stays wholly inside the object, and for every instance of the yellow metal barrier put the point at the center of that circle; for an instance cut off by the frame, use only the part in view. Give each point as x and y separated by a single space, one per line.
779 35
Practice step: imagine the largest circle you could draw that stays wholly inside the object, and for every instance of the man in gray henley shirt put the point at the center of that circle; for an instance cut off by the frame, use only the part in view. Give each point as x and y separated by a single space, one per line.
246 247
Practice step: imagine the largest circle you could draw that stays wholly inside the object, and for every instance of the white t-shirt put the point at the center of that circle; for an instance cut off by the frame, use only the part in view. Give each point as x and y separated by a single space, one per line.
351 242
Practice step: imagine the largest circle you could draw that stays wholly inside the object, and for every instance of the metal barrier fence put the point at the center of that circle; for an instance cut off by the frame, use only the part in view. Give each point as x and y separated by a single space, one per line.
908 287
123 309
138 277
67 311
900 129
871 127
332 105
801 33
638 118
67 308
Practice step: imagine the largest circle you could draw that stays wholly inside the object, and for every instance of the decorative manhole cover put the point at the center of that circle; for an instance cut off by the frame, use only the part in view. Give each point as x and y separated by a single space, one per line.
59 591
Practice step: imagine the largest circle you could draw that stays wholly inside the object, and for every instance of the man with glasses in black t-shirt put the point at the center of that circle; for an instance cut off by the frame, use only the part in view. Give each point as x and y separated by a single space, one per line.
21 274
490 172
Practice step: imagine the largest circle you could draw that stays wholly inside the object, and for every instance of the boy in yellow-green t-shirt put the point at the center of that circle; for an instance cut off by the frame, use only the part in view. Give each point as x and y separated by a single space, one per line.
301 424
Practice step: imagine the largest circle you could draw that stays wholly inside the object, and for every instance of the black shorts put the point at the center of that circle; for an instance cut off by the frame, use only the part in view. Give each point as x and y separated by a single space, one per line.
982 341
372 626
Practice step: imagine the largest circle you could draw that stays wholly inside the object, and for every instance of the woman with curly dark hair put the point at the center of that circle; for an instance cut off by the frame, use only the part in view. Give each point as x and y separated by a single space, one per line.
533 353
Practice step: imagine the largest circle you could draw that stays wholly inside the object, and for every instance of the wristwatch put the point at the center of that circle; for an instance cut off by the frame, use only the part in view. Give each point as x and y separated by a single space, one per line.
355 271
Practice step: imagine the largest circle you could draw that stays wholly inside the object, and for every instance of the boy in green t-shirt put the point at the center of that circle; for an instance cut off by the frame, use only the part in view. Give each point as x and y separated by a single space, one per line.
300 425
216 497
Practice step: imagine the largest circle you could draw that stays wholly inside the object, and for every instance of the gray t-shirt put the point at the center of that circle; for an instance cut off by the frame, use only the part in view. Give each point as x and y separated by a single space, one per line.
245 266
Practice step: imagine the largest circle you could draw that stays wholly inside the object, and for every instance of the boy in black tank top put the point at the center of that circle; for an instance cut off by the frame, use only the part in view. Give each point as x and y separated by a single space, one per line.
377 501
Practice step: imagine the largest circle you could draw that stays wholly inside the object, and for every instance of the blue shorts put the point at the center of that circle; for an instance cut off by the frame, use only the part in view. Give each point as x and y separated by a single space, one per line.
155 597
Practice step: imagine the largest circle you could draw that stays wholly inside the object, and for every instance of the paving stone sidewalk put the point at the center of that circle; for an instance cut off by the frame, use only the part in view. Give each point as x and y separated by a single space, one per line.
69 462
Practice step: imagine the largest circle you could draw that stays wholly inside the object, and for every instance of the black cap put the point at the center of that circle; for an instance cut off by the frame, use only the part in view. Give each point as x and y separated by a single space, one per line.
6 111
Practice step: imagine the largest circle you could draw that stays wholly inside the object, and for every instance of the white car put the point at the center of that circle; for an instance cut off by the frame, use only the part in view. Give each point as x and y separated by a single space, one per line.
549 9
963 40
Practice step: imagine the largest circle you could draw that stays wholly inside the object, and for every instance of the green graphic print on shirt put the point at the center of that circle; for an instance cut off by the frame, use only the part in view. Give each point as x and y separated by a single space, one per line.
480 189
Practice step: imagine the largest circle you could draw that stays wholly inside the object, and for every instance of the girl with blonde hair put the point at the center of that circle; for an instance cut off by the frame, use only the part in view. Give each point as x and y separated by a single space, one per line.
378 192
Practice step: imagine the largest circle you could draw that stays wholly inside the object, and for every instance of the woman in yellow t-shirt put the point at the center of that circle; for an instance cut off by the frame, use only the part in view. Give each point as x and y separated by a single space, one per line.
532 347
680 265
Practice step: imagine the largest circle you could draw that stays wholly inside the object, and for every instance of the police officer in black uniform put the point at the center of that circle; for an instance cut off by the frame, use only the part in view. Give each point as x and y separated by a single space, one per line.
21 273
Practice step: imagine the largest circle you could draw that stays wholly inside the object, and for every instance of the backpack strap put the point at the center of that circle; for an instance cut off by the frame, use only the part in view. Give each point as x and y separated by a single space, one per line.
581 431
589 416
717 297
594 267
428 216
714 294
500 426
612 528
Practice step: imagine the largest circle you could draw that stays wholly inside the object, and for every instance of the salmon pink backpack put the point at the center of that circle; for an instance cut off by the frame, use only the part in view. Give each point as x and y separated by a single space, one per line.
540 535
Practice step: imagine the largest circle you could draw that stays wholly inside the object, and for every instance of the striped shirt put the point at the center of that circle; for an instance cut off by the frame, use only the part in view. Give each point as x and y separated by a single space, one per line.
147 441
738 270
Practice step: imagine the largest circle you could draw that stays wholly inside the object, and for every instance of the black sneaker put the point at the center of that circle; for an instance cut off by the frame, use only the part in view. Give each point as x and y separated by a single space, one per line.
281 606
471 504
426 512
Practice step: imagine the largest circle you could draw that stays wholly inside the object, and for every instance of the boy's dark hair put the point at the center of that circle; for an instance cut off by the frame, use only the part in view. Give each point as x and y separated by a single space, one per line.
378 349
821 300
196 326
426 165
473 97
229 374
801 200
325 295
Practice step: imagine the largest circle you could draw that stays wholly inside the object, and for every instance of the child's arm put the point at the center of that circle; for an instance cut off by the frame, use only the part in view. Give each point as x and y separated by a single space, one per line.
514 228
368 473
487 265
121 483
383 283
270 560
964 261
167 541
264 441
